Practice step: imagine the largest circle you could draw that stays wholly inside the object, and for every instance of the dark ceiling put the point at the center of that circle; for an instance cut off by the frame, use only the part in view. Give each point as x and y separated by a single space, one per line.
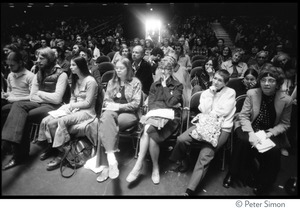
20 11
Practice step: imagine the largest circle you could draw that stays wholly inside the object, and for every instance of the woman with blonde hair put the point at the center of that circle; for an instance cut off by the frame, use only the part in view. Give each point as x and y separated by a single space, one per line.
121 103
165 93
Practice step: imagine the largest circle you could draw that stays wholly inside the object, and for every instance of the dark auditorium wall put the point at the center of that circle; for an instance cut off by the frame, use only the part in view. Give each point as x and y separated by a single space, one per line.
288 10
136 13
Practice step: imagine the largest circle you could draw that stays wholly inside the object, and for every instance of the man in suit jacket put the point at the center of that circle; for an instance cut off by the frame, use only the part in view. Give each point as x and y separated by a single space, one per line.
142 69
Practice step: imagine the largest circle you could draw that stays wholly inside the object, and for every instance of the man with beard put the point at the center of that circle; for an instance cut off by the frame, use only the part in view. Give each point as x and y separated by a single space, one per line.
19 83
48 87
156 55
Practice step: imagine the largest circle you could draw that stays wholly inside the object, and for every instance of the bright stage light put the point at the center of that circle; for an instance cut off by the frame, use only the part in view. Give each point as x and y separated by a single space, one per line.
153 28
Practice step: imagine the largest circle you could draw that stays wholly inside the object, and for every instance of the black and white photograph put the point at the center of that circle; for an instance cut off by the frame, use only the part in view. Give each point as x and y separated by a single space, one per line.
140 100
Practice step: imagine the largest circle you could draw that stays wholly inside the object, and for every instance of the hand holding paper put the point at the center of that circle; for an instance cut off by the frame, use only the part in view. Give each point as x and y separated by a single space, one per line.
162 112
265 143
58 113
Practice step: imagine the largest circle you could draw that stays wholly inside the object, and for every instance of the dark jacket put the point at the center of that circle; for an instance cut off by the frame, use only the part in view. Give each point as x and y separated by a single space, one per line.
165 97
144 74
48 84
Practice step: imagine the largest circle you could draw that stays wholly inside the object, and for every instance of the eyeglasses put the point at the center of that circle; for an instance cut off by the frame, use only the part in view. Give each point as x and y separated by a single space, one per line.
270 81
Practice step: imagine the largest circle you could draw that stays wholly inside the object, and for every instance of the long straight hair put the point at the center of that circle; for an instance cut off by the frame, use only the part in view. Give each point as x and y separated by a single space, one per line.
116 81
49 54
82 66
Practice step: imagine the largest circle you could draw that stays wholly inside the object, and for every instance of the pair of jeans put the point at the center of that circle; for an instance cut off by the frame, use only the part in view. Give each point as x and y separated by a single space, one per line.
110 124
62 125
19 120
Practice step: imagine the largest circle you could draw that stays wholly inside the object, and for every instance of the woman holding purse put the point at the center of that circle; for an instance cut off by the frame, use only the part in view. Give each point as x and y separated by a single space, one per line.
165 93
218 100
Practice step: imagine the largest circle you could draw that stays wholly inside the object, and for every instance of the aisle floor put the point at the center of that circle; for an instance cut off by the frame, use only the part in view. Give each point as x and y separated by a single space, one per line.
33 180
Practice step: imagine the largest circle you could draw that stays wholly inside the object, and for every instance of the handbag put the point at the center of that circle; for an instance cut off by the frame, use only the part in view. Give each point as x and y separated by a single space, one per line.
77 152
208 128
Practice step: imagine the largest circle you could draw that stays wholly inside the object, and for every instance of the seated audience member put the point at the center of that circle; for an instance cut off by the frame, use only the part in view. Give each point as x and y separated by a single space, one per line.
121 103
242 85
166 47
284 61
182 58
220 45
164 94
141 68
251 57
265 109
104 46
48 88
202 79
224 56
149 45
122 53
116 46
92 45
87 54
197 46
219 100
76 50
180 74
35 67
156 55
234 66
185 44
80 108
19 83
261 59
61 60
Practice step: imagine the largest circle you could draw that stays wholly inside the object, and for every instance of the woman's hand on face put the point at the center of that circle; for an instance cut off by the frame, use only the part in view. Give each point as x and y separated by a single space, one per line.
164 80
210 71
252 84
213 89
